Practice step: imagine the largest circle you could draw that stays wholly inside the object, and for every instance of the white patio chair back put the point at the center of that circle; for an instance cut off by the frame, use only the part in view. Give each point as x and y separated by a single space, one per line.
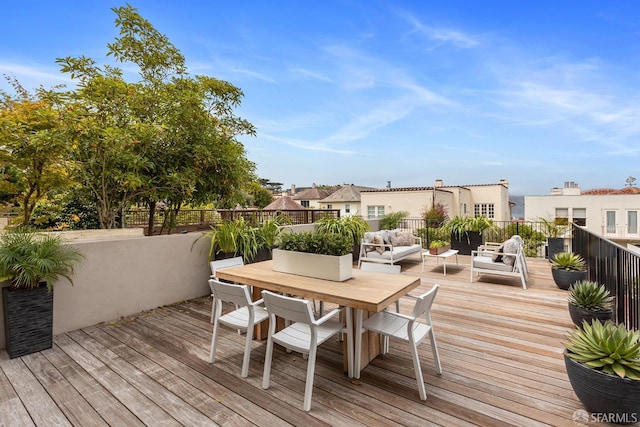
409 329
221 264
304 335
247 314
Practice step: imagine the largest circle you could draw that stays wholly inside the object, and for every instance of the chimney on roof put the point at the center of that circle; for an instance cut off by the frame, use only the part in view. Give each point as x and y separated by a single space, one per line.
388 184
438 183
504 182
293 189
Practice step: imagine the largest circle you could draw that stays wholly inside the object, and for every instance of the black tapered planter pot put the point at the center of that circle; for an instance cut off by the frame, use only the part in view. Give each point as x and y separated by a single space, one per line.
606 395
555 245
466 243
28 320
578 315
566 278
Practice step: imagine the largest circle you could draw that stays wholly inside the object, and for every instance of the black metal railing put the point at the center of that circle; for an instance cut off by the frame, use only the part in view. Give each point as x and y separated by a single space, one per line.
530 231
617 268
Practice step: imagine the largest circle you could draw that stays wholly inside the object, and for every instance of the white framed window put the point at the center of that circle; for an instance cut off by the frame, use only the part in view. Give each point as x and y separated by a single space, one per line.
375 211
347 208
484 209
632 222
580 216
562 216
610 225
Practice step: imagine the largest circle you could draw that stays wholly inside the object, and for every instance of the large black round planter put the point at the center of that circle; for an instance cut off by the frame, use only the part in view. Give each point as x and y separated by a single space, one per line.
466 243
566 278
617 399
28 320
578 315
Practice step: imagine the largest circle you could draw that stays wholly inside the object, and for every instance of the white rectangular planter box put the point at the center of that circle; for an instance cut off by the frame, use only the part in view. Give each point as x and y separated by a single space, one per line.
329 267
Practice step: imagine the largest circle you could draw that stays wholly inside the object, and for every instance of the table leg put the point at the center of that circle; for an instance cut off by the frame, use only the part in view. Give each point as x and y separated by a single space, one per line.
444 265
350 345
358 344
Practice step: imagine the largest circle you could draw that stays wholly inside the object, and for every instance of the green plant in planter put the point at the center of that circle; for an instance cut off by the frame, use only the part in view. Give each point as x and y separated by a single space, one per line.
28 258
316 242
590 296
353 226
608 347
459 225
438 244
552 229
589 300
392 220
568 261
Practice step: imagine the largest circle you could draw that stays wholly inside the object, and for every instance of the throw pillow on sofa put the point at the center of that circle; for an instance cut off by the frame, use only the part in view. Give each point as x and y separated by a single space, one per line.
378 240
402 239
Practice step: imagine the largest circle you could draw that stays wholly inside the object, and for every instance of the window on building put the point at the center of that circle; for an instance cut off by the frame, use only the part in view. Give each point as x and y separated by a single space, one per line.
463 208
484 209
580 216
562 216
304 203
611 222
347 208
375 211
632 222
329 206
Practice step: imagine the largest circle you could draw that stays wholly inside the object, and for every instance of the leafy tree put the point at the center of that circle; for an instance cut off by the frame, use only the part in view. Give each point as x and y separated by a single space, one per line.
169 137
261 196
32 147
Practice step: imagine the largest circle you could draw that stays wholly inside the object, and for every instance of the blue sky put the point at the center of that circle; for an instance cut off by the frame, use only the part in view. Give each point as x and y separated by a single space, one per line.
365 92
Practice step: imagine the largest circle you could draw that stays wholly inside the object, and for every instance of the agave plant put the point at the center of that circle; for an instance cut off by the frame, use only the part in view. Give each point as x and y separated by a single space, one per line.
568 261
590 296
608 347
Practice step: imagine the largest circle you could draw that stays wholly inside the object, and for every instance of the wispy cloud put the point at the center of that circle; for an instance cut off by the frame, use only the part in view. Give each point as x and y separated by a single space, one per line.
311 74
440 36
306 145
36 74
252 74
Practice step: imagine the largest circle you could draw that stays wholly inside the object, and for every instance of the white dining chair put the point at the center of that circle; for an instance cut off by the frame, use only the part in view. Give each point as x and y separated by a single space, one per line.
409 329
221 264
304 335
244 318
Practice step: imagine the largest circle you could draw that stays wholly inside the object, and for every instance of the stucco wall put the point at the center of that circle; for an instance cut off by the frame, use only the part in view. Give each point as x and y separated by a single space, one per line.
123 276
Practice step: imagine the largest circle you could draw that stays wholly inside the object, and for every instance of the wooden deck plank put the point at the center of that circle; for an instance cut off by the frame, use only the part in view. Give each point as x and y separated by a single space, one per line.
42 409
139 404
109 408
77 410
12 411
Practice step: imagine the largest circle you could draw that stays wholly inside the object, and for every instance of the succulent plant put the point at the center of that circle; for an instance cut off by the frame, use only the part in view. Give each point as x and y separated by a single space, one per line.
568 261
608 347
590 296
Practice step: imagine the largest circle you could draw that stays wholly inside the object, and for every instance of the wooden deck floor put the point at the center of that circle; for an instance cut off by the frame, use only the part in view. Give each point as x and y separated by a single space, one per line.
500 346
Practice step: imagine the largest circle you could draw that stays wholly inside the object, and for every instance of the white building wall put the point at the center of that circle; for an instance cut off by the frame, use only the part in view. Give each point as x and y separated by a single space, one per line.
595 207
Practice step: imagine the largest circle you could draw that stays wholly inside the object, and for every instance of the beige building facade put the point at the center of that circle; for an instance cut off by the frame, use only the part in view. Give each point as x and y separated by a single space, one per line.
491 200
609 213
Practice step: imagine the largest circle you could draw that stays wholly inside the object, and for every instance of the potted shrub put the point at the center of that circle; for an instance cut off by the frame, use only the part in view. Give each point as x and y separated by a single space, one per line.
467 232
589 300
568 268
315 254
392 220
603 365
555 236
353 226
436 247
32 263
